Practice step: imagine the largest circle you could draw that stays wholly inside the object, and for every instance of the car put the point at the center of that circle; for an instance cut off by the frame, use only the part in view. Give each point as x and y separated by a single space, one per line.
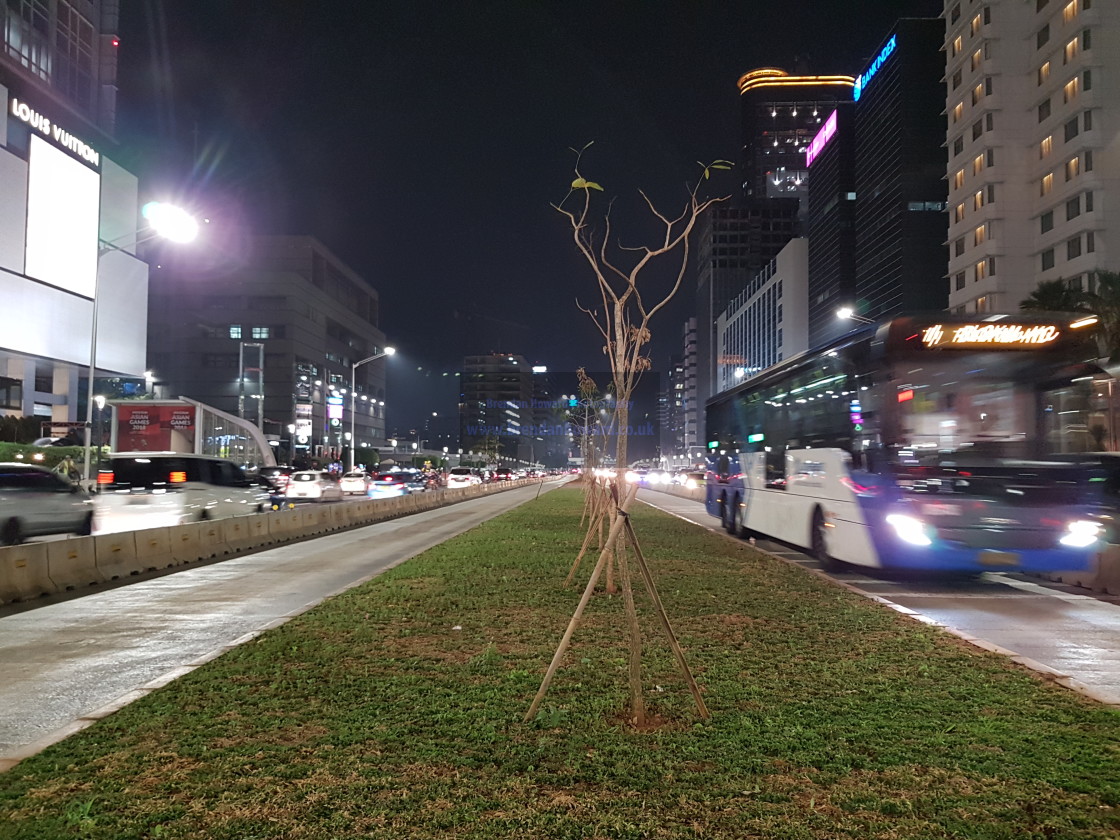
462 477
278 476
503 474
421 482
35 502
155 489
356 483
388 484
314 485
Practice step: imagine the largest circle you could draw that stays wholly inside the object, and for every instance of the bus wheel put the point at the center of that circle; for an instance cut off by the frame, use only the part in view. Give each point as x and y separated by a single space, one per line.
820 547
736 519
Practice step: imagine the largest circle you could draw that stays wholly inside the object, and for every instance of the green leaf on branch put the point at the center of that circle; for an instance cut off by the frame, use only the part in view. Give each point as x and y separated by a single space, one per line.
584 184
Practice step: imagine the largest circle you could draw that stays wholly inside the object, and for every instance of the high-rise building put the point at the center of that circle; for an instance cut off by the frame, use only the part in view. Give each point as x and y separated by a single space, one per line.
1032 155
496 405
294 306
69 213
899 183
831 224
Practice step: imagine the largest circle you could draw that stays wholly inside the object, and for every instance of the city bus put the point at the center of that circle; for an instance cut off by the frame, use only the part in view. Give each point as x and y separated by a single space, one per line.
933 442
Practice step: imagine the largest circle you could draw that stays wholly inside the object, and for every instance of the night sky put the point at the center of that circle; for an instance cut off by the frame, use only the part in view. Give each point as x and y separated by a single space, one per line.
424 142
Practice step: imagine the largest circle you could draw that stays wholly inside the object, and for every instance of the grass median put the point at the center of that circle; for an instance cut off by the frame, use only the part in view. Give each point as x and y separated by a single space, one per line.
394 711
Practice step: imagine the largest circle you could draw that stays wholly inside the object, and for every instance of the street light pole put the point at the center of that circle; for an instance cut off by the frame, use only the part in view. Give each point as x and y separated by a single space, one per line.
164 221
388 351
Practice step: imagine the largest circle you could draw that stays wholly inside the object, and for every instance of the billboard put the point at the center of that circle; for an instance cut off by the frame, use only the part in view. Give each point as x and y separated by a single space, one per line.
155 428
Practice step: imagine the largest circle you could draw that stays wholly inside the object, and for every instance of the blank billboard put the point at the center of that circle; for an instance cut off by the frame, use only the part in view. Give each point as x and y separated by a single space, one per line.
63 200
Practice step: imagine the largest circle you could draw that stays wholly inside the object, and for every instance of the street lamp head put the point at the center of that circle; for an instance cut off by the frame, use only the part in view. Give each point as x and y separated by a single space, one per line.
389 351
844 313
170 222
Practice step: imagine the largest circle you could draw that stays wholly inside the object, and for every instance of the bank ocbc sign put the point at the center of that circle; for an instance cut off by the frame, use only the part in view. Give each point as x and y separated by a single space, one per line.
990 336
53 131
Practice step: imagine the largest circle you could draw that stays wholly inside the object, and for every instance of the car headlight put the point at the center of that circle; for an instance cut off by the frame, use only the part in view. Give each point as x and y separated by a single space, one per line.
1081 533
690 484
908 529
632 477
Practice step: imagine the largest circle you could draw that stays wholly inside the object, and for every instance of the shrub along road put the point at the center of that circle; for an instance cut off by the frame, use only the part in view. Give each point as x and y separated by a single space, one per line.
394 710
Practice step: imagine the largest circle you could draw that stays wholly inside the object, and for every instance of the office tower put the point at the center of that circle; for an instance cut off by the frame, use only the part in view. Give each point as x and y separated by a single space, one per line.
1032 157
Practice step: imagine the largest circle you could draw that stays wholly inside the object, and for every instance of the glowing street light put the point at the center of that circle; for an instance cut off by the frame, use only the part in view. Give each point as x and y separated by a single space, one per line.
846 313
388 351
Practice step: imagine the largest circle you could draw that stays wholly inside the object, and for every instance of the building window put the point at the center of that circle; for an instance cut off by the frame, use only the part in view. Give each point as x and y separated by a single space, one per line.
1044 72
1088 79
958 111
991 193
989 86
977 129
1070 52
1073 248
1073 208
1046 221
1090 242
1088 120
977 58
1072 128
235 331
958 43
956 79
959 281
958 179
958 247
1046 146
1047 259
1086 39
1039 5
1044 110
980 271
977 164
978 200
958 213
1073 168
1069 91
1043 36
1047 183
958 146
1089 201
979 235
984 303
987 15
1069 12
975 27
977 93
259 332
989 121
990 157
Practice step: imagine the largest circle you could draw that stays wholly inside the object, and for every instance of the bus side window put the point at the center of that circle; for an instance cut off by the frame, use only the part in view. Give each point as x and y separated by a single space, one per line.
776 469
724 467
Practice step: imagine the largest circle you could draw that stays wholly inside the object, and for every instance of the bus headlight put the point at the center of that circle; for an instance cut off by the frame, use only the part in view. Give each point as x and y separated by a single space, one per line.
1081 534
908 529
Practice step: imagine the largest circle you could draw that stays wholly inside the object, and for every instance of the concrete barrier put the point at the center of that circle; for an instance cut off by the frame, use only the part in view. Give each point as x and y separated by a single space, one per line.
72 564
212 540
283 525
116 555
24 573
1108 571
153 548
237 535
185 547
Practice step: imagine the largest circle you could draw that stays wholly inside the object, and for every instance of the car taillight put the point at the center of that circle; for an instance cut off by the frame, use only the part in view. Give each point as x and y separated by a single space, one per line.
177 477
105 477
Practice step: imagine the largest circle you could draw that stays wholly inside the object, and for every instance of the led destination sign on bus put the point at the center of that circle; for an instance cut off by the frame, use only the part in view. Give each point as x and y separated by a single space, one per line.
1004 336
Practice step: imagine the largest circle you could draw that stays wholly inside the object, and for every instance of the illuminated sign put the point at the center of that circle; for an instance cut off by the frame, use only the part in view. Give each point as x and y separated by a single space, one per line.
863 78
25 113
970 336
821 140
334 408
756 438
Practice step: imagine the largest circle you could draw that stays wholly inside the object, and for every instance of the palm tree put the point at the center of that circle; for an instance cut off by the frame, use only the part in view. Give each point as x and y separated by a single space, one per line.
1104 302
1056 296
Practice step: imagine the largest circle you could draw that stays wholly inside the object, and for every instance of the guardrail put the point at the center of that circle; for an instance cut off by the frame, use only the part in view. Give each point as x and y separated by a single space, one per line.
36 569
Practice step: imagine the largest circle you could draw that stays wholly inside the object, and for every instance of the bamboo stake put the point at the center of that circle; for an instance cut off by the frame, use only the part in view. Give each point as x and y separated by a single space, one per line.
637 702
664 618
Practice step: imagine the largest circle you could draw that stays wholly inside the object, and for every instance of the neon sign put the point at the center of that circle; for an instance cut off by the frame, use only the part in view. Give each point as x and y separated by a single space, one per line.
828 130
25 113
1011 336
863 78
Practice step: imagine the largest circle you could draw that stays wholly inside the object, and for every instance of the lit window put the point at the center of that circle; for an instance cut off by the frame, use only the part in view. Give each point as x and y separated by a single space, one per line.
958 179
984 303
1073 168
978 200
1070 11
981 269
975 25
1046 146
958 43
958 111
977 93
235 331
977 164
979 235
1070 52
1069 92
1047 183
259 332
1044 72
976 59
958 212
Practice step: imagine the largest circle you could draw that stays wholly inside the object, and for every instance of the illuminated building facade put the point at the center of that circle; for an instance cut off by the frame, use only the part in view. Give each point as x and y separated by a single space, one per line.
496 405
58 88
1032 154
900 190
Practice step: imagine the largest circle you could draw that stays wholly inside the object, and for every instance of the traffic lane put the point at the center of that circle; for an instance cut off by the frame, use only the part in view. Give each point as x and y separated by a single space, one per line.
1072 632
66 660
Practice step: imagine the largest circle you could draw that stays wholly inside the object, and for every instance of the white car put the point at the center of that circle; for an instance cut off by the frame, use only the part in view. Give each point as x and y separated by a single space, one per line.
462 477
316 485
156 489
36 502
356 482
